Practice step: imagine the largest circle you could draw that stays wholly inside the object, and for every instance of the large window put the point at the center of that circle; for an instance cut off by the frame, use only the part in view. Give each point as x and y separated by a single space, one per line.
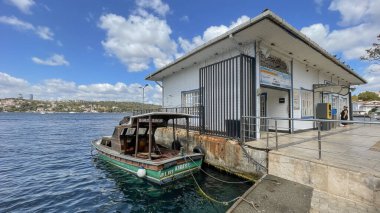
190 98
306 103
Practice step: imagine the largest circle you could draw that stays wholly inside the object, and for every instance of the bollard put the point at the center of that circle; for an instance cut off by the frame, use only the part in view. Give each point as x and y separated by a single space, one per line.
319 141
275 126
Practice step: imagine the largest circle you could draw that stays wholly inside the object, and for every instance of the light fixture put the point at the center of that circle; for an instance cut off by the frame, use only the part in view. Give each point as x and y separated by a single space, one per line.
266 51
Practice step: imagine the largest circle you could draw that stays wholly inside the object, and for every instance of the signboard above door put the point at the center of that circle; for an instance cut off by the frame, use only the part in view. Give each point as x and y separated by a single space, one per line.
274 78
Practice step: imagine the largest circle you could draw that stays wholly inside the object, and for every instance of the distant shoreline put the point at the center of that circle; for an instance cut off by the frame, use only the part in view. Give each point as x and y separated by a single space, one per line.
76 106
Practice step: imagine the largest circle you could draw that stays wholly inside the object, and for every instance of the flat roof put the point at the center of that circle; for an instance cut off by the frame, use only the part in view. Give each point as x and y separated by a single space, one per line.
266 20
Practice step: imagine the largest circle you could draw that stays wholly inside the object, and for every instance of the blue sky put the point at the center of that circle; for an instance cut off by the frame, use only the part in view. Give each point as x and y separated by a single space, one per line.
102 50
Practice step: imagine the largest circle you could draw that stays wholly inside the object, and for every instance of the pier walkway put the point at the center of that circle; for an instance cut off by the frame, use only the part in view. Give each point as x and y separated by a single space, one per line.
274 194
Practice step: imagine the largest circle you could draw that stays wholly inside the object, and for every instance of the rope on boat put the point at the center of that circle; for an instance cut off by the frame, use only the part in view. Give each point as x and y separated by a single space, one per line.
223 181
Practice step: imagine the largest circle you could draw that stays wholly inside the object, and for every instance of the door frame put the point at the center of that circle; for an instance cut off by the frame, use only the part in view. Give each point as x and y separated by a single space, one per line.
289 102
265 95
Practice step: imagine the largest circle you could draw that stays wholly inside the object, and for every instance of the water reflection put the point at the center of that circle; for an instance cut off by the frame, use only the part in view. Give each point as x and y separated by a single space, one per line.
179 196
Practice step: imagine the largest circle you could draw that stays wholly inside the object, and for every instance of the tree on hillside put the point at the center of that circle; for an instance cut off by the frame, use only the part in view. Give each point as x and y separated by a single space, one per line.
373 53
368 96
354 98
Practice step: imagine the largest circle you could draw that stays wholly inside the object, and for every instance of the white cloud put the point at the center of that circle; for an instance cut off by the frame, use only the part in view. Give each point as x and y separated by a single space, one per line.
42 31
319 4
15 22
54 60
58 89
185 18
155 5
372 75
351 41
356 11
9 81
139 40
208 34
362 23
23 5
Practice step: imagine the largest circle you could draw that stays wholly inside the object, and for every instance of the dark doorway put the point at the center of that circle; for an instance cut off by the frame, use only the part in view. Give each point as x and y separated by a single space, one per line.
263 112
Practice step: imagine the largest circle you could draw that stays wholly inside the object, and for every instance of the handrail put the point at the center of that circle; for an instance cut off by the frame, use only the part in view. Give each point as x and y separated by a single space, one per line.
312 119
317 124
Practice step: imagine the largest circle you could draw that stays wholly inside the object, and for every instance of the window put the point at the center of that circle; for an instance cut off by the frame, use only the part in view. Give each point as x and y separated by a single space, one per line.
190 98
306 103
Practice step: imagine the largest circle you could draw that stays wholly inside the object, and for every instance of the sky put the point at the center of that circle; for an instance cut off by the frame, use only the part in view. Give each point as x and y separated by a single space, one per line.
102 50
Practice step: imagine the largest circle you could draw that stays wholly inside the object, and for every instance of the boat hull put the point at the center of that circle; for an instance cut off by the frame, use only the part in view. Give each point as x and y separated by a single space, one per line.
158 173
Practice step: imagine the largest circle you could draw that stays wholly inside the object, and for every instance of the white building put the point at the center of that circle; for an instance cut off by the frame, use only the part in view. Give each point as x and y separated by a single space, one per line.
363 107
264 67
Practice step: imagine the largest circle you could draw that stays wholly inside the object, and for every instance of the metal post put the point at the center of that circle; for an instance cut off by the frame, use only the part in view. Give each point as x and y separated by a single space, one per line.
267 140
187 135
173 130
275 126
143 96
319 141
137 138
150 138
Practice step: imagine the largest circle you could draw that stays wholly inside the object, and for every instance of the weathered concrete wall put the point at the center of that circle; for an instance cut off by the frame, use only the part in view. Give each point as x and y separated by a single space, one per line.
353 185
220 152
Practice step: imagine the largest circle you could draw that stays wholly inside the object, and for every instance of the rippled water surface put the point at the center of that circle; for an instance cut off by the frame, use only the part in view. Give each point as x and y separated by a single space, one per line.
46 165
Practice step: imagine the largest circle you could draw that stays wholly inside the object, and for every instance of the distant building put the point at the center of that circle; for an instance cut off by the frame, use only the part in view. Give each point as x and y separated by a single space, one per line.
31 97
363 107
20 96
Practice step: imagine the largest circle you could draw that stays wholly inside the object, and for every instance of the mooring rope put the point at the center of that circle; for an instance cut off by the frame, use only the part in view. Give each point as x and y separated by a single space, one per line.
211 198
223 181
204 193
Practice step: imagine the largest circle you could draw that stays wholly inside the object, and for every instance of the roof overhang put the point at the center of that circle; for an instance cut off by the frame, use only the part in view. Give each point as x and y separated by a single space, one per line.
272 30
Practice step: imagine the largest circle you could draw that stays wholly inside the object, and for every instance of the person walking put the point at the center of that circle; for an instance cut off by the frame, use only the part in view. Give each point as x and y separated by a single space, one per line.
344 115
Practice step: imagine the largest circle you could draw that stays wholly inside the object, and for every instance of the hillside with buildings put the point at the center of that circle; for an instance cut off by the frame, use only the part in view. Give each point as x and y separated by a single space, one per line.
23 105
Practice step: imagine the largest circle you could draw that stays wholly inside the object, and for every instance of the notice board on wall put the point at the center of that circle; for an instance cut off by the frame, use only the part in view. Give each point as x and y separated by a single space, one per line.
296 99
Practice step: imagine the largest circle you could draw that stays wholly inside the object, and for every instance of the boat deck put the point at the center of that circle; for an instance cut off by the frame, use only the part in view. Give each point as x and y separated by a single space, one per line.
163 154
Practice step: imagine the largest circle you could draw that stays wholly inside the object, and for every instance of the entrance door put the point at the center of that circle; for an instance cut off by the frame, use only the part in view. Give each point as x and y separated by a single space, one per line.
263 112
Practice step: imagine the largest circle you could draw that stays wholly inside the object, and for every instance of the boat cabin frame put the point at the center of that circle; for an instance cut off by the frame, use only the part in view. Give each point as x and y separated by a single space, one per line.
131 135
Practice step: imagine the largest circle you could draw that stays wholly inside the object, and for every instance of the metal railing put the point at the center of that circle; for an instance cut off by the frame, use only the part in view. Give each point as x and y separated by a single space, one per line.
271 129
194 122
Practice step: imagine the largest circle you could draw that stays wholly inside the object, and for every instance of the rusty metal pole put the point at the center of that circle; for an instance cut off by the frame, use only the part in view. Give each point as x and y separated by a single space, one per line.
319 141
137 137
150 138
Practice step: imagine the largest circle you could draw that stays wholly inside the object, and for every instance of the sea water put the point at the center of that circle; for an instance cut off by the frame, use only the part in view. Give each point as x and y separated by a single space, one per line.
46 166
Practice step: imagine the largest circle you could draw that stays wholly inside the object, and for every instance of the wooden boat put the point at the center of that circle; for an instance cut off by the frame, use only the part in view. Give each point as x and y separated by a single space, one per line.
133 147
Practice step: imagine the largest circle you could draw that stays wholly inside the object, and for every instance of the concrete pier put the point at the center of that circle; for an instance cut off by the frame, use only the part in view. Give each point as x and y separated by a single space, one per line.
346 178
274 194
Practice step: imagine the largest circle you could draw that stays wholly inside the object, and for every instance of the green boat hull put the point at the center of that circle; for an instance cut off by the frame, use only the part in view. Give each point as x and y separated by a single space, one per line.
161 176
